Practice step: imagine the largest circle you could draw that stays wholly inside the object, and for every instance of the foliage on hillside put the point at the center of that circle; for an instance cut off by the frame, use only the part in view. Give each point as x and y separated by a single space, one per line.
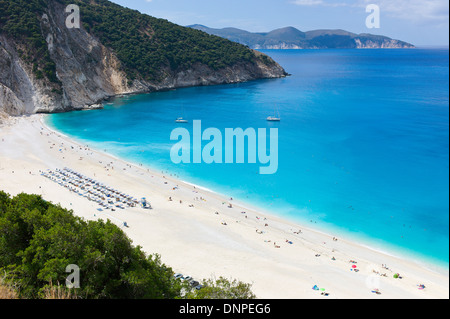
38 240
147 47
19 19
223 288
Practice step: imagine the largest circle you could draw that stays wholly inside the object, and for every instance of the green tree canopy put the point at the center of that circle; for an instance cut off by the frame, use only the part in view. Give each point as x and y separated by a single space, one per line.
38 240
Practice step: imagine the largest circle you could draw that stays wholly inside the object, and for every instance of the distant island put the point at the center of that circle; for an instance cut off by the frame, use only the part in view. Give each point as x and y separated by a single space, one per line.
292 38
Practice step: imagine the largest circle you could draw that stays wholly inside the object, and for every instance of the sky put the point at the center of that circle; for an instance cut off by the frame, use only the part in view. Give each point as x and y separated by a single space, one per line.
420 22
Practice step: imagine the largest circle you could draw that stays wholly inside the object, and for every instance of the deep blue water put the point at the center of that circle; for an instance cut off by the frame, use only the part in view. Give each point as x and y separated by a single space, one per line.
363 142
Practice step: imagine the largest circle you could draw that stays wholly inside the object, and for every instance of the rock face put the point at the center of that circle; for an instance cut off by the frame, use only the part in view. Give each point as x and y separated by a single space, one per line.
90 72
381 44
18 93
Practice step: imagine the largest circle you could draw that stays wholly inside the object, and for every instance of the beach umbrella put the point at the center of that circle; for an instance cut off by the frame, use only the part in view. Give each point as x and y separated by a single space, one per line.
354 266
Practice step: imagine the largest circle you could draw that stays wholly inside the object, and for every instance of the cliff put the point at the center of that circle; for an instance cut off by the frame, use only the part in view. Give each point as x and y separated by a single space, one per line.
47 67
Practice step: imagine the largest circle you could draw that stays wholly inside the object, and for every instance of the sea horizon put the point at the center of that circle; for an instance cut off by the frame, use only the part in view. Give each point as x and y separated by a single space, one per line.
168 104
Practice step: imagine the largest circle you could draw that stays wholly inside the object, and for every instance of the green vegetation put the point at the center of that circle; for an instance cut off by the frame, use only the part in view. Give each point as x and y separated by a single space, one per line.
334 41
20 19
38 240
148 47
222 288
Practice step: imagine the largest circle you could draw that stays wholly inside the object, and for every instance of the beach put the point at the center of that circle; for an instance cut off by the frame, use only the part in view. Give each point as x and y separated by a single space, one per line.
204 234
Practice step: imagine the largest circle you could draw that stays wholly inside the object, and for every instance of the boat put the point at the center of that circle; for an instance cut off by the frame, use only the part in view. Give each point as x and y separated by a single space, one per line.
275 118
181 120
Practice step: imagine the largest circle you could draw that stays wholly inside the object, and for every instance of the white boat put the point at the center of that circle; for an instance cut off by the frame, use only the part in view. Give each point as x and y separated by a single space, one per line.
181 120
275 118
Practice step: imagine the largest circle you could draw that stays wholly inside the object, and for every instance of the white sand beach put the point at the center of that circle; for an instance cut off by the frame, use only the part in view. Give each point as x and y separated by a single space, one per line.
197 234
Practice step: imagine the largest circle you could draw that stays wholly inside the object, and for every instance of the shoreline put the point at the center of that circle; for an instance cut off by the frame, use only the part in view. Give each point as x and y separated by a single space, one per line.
438 266
193 241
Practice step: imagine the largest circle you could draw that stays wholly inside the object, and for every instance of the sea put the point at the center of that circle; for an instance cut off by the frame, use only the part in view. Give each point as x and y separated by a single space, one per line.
363 143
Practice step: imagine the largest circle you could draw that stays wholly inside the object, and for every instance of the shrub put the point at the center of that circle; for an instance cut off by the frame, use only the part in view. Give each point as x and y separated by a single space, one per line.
38 240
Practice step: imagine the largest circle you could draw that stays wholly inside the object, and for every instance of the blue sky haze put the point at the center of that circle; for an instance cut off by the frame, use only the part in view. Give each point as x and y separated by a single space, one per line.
421 22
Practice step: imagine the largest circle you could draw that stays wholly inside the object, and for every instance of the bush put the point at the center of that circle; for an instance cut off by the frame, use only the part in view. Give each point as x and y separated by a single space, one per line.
222 288
38 240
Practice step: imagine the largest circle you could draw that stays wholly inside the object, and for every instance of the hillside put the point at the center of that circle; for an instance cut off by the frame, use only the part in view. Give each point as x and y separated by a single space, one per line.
47 67
292 38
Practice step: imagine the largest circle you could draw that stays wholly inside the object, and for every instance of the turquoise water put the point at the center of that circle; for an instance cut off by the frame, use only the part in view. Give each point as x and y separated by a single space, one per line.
363 142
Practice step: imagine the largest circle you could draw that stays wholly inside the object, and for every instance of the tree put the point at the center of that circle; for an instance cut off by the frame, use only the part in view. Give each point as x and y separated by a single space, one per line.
38 240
